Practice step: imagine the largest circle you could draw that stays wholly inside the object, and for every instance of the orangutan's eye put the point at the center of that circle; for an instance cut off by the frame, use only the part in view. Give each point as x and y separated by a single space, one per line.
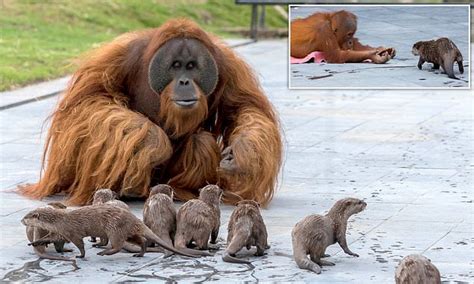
176 64
190 65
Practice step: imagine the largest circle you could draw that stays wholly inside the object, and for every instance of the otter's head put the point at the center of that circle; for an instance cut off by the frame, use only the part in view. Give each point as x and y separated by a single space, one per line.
103 195
348 206
57 205
354 205
43 217
211 194
163 189
415 50
249 202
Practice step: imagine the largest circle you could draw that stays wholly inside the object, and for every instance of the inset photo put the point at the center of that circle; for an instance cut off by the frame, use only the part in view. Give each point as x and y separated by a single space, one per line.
379 46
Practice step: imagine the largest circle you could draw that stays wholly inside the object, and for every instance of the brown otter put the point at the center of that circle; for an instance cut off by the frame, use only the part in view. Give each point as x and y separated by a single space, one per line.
246 228
35 233
417 269
441 52
199 219
102 196
105 221
105 195
159 213
315 233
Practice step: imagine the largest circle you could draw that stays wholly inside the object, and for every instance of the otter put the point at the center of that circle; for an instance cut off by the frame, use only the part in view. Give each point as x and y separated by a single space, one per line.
102 196
417 269
105 221
159 215
441 52
246 228
35 233
199 219
105 195
315 233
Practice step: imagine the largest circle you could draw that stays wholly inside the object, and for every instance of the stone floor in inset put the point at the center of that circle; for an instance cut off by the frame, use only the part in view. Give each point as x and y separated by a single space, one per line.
390 26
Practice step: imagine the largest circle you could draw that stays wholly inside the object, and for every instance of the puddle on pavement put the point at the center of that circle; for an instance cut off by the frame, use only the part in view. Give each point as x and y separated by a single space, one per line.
195 271
32 271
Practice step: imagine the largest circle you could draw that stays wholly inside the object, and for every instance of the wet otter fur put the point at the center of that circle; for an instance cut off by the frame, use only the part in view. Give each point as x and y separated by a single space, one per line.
417 269
199 219
105 195
35 233
246 228
108 222
159 213
441 52
314 233
102 196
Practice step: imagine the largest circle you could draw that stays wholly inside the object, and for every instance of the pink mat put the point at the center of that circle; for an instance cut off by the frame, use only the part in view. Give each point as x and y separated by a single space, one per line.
316 55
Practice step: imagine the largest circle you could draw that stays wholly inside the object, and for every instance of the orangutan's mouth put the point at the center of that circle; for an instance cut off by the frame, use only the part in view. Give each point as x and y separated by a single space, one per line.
185 103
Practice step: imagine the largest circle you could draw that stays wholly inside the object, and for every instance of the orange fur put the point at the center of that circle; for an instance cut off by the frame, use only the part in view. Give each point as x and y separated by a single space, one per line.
97 140
195 165
327 32
256 146
177 121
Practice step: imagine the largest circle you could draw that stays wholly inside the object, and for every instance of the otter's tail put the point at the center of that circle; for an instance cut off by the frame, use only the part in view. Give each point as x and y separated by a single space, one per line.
228 258
196 252
129 247
458 58
448 68
459 61
151 236
239 239
302 260
40 252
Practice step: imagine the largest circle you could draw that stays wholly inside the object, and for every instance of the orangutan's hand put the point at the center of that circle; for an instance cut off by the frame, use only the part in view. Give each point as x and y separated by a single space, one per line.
389 50
380 57
239 146
228 162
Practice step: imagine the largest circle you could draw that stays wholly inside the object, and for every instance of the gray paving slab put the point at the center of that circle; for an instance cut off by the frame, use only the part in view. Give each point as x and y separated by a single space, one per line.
392 26
409 154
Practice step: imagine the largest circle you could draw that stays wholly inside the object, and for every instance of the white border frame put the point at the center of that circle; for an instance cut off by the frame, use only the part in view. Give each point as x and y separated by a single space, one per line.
468 6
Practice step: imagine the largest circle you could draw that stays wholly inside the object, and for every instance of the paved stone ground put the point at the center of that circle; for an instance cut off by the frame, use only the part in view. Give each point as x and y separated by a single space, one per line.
391 26
409 154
